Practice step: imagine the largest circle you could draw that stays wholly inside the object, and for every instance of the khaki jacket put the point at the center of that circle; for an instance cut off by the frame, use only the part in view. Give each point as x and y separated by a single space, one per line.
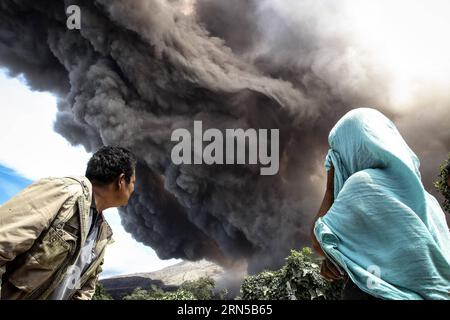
42 230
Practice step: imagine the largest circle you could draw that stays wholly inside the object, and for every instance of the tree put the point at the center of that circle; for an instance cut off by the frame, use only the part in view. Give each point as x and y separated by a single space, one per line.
298 279
138 294
202 288
442 184
158 294
100 293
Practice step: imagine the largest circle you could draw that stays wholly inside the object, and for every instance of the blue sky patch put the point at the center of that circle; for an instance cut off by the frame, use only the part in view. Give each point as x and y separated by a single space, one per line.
10 183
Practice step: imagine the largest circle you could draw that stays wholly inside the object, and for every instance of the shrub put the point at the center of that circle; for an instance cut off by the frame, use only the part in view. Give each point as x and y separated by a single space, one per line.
141 294
442 186
299 279
100 293
202 289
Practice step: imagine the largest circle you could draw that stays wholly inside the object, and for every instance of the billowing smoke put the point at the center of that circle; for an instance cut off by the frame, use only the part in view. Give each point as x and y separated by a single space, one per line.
139 69
314 45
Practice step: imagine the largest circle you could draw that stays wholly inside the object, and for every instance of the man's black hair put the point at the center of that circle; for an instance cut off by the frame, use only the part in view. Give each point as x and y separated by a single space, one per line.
108 163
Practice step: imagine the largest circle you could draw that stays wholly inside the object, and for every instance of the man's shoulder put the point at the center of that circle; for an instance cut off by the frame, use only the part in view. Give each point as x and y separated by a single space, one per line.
74 185
81 180
81 184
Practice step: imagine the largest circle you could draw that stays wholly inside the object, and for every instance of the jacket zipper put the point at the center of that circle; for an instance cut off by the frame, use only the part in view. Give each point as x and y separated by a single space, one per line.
100 233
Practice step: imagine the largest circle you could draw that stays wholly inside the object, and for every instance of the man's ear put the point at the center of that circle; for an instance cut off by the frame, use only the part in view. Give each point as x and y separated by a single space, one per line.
121 181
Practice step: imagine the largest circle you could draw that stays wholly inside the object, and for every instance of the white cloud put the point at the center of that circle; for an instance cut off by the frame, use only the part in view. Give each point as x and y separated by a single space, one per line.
125 255
29 145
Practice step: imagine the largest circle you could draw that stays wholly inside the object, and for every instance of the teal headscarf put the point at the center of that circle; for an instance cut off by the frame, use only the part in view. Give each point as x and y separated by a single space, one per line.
383 229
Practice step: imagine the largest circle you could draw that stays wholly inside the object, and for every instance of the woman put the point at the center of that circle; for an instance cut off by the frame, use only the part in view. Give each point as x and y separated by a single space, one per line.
377 227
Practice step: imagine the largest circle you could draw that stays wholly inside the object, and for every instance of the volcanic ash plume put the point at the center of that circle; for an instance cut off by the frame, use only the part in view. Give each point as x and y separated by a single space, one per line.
137 70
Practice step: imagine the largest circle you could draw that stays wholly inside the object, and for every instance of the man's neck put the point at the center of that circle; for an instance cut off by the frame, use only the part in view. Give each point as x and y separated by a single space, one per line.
99 198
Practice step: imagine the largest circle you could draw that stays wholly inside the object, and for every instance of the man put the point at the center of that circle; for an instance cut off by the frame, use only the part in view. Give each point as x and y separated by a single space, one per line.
53 235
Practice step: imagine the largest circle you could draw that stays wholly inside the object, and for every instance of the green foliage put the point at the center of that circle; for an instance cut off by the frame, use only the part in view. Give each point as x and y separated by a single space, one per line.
158 294
442 186
299 279
178 295
100 293
202 289
139 294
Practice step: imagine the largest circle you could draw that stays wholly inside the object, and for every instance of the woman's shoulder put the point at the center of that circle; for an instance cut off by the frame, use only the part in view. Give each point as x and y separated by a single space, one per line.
367 179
